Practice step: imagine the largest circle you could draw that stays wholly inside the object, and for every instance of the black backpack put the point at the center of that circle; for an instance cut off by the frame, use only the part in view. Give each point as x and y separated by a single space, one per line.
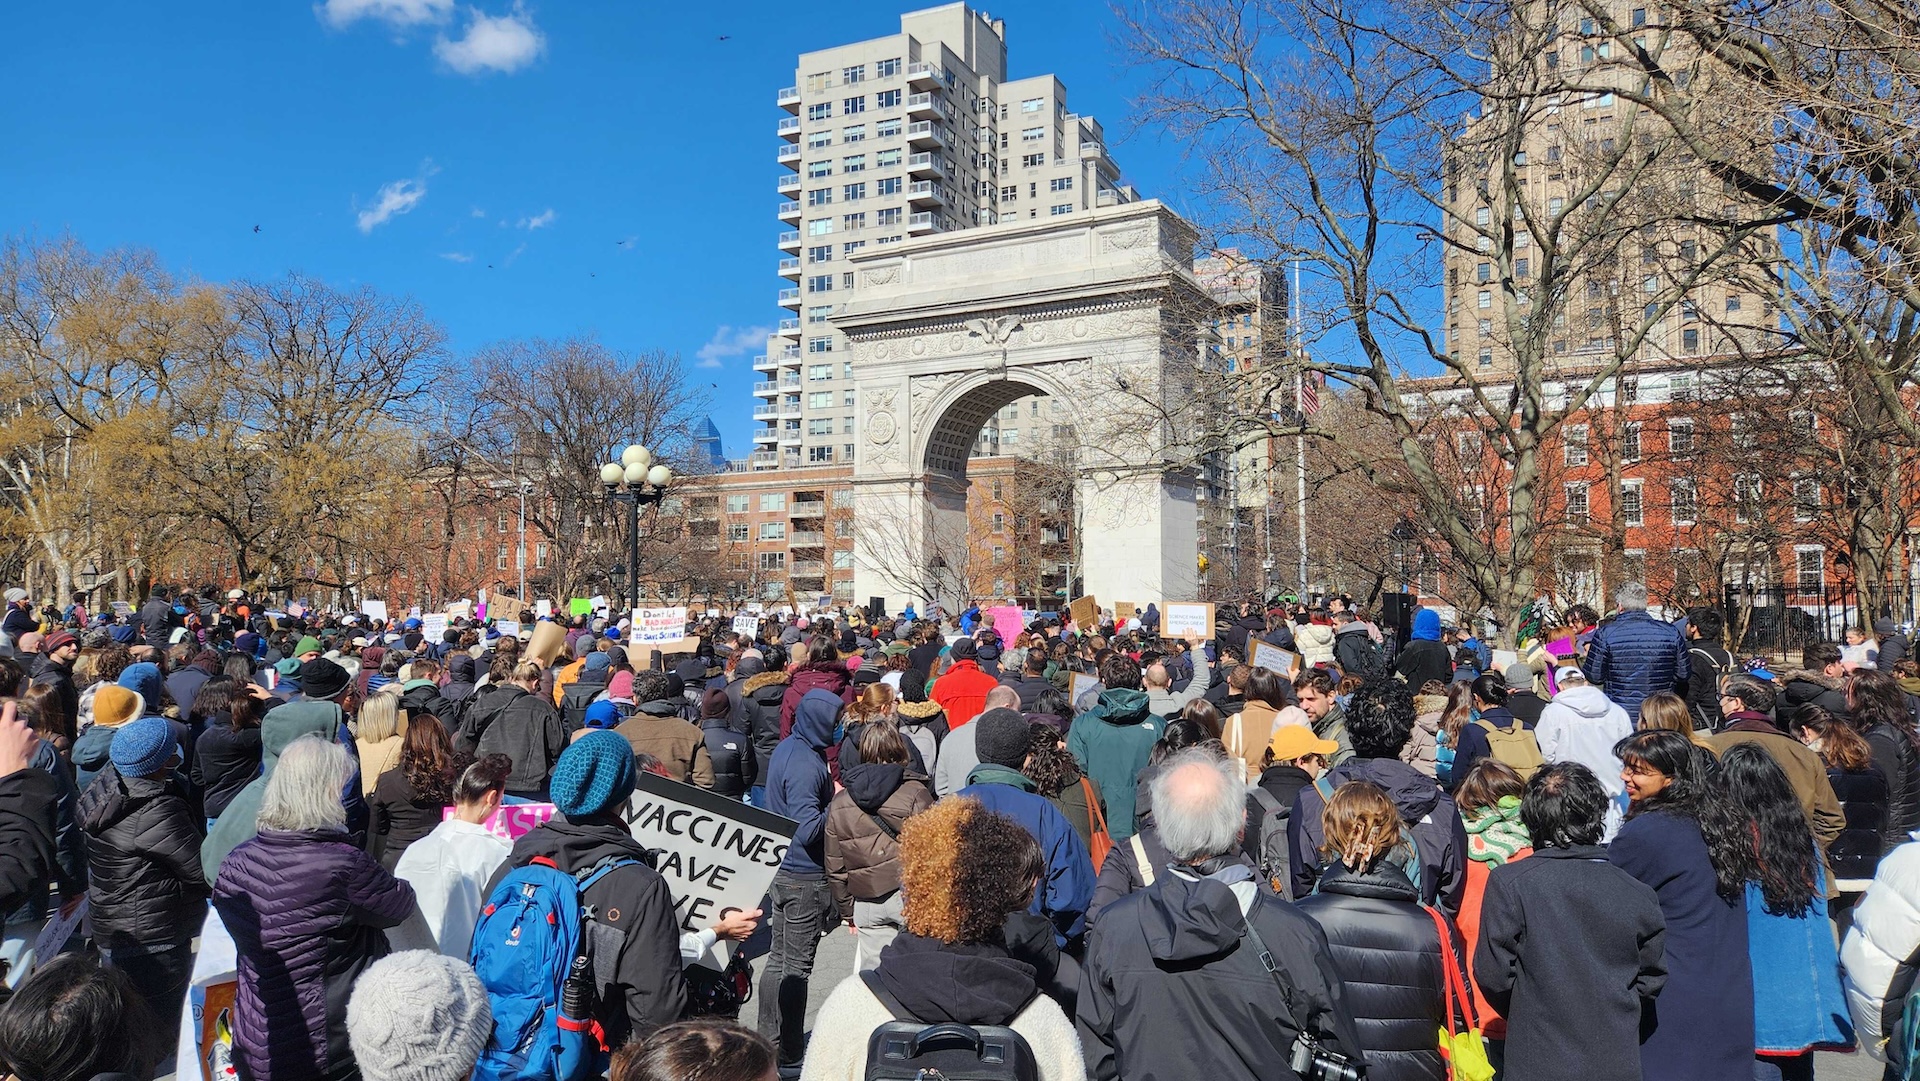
904 1049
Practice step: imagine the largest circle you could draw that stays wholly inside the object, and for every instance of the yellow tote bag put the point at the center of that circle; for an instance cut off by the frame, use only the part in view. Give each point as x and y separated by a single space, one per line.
1461 1044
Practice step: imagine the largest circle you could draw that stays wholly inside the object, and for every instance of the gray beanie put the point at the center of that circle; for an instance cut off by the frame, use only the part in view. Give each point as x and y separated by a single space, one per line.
1000 738
418 1016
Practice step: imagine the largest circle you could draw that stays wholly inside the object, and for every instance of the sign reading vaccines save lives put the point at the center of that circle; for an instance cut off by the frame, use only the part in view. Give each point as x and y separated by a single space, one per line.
716 854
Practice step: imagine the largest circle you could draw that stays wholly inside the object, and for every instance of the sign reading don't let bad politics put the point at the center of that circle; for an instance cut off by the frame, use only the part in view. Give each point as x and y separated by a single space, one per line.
716 854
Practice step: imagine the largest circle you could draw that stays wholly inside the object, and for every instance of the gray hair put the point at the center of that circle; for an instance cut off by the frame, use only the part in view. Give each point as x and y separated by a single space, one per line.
1199 803
304 791
1630 597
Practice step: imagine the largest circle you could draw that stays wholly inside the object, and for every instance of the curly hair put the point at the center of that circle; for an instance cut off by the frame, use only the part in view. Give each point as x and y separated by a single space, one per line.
1785 865
1119 672
707 1049
1380 719
1361 826
112 661
428 760
1050 766
964 870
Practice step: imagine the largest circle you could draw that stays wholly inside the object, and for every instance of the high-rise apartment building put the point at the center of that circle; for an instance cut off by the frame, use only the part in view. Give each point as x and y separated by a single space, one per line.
913 133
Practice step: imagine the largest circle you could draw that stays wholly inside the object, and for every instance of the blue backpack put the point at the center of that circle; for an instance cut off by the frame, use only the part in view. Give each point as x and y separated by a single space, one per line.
530 933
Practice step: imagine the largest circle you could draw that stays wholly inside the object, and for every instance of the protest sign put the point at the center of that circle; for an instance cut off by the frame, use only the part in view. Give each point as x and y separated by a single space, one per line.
1182 619
460 610
716 854
508 628
747 625
1123 611
1504 658
513 820
433 626
658 626
1080 684
375 610
511 608
1274 659
579 606
1084 612
205 1043
549 638
543 609
1008 620
122 608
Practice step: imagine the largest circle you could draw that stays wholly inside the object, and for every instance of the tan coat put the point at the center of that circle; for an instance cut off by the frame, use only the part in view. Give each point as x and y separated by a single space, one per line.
678 744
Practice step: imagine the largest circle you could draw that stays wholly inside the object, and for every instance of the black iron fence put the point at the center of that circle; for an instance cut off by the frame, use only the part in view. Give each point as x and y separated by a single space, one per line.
1783 619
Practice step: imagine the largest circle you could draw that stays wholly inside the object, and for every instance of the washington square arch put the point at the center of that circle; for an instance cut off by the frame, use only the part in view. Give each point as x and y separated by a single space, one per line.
1095 311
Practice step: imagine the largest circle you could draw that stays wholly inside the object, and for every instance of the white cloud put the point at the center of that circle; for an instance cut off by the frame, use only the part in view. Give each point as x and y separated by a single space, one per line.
398 13
457 256
729 341
395 198
505 43
478 213
538 221
513 255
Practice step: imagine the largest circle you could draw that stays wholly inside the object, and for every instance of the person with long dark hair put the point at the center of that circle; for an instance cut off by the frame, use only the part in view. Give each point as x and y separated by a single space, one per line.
226 756
411 799
1683 838
1879 710
1797 997
1862 791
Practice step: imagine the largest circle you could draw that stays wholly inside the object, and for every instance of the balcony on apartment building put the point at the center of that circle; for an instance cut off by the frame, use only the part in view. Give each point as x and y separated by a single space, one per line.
807 538
761 390
788 182
924 133
789 211
920 223
808 568
789 298
790 267
763 459
922 105
766 435
925 165
790 325
765 363
788 98
790 240
921 192
790 409
788 155
789 127
769 411
807 508
924 73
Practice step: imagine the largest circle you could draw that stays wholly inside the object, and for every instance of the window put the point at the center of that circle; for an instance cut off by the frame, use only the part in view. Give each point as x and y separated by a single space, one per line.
819 313
887 69
846 280
1060 208
1485 359
849 399
1639 17
1746 497
1555 205
1690 340
853 193
1576 502
820 253
1632 509
852 222
852 246
817 373
856 105
1032 161
1684 499
855 133
1806 498
886 99
890 186
886 159
999 522
1573 451
820 399
890 216
1060 183
1032 135
1810 568
500 558
1520 268
1482 216
1485 299
819 226
739 532
819 345
500 523
1680 435
818 139
1733 302
1630 443
736 504
1483 272
843 561
999 555
846 425
820 197
772 501
853 163
1486 328
820 111
1033 105
772 531
820 283
773 561
853 74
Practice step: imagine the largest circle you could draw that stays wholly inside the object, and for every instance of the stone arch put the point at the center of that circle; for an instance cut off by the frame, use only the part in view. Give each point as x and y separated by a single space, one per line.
956 417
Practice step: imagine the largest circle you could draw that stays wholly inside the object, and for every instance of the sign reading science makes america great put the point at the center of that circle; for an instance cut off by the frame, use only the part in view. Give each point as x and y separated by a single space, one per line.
716 854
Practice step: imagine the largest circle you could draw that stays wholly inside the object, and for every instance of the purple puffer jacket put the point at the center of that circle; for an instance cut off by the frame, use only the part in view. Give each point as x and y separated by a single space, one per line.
306 910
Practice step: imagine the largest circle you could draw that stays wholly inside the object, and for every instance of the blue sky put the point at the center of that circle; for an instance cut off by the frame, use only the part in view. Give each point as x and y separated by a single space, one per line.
538 169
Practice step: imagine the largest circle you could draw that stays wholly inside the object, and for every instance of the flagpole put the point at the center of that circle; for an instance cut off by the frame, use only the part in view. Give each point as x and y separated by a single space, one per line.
1300 437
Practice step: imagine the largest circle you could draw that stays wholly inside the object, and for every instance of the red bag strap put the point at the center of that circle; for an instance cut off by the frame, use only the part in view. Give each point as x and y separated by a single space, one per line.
1093 807
1459 1001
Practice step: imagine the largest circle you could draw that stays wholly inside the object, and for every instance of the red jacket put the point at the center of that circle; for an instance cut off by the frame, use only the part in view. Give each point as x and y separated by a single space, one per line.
962 692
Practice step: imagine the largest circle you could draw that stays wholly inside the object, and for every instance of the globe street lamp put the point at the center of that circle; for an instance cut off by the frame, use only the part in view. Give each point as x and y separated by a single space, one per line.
635 479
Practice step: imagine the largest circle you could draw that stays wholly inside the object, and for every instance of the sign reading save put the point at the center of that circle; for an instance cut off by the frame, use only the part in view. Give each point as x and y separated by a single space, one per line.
716 854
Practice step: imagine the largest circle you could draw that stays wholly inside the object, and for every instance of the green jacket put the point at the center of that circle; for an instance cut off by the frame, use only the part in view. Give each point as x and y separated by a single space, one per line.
281 726
1112 742
1333 726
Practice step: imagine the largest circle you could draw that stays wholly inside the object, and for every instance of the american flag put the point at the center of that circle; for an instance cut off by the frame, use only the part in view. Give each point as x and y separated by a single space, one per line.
1307 387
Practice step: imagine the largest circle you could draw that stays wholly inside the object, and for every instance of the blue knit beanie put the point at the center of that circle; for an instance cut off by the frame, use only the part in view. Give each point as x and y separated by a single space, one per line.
603 714
142 747
593 774
143 679
596 663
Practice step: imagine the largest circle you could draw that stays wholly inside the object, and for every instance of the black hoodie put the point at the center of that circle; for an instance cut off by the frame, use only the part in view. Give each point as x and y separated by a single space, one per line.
639 980
978 984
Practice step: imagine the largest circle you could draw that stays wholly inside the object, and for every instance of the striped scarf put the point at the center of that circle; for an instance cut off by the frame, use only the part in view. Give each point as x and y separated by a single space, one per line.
1495 834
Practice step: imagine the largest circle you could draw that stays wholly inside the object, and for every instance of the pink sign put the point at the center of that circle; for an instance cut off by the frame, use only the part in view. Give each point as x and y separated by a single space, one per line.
513 820
1008 621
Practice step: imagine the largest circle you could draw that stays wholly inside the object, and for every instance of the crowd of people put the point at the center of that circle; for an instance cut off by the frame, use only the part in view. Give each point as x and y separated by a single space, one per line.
1092 851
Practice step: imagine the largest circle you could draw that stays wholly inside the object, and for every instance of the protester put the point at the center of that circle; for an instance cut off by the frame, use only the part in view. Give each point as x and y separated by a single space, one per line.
1489 798
1571 948
658 729
924 723
1055 774
1877 708
1112 740
75 1020
800 787
410 800
1796 969
964 871
1744 702
1708 663
379 734
450 867
1877 959
962 689
278 730
1314 691
1220 1010
523 725
306 909
418 1016
113 706
1268 695
1001 739
1384 945
729 750
760 698
54 668
1495 732
1820 680
1422 751
958 755
1380 720
1684 839
1424 658
863 838
640 986
1634 655
143 860
703 1050
1522 701
226 757
817 667
1157 680
1862 792
28 798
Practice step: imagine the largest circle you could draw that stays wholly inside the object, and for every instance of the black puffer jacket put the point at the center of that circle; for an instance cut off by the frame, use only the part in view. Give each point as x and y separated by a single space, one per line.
761 697
1387 951
1863 800
1803 688
143 859
1898 761
422 696
736 767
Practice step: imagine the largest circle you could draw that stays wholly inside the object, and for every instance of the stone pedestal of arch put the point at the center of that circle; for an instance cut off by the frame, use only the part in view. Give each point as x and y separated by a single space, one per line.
1095 311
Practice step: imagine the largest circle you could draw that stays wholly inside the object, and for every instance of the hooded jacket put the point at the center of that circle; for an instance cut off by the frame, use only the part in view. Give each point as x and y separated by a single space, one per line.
1898 761
224 762
730 754
1068 890
642 988
460 679
526 728
278 729
1804 687
938 983
760 698
1582 725
1427 811
828 676
143 859
1635 655
862 854
1112 742
1387 950
962 691
1355 651
800 786
1171 987
422 696
307 910
1316 644
1424 658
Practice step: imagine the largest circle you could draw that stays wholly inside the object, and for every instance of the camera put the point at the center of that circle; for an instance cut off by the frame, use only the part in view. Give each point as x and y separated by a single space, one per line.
1311 1062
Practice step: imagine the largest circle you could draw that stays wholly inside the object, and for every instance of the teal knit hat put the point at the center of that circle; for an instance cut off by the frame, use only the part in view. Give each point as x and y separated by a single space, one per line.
593 774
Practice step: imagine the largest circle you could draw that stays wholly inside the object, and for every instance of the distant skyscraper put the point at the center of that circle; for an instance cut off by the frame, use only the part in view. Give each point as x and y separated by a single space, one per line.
706 446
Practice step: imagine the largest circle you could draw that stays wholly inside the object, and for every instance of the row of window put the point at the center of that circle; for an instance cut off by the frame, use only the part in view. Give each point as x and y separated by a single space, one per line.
1683 500
890 128
502 554
854 222
856 163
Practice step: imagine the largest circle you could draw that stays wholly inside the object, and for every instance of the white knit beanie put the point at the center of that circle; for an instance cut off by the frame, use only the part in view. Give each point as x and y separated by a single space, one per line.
418 1016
